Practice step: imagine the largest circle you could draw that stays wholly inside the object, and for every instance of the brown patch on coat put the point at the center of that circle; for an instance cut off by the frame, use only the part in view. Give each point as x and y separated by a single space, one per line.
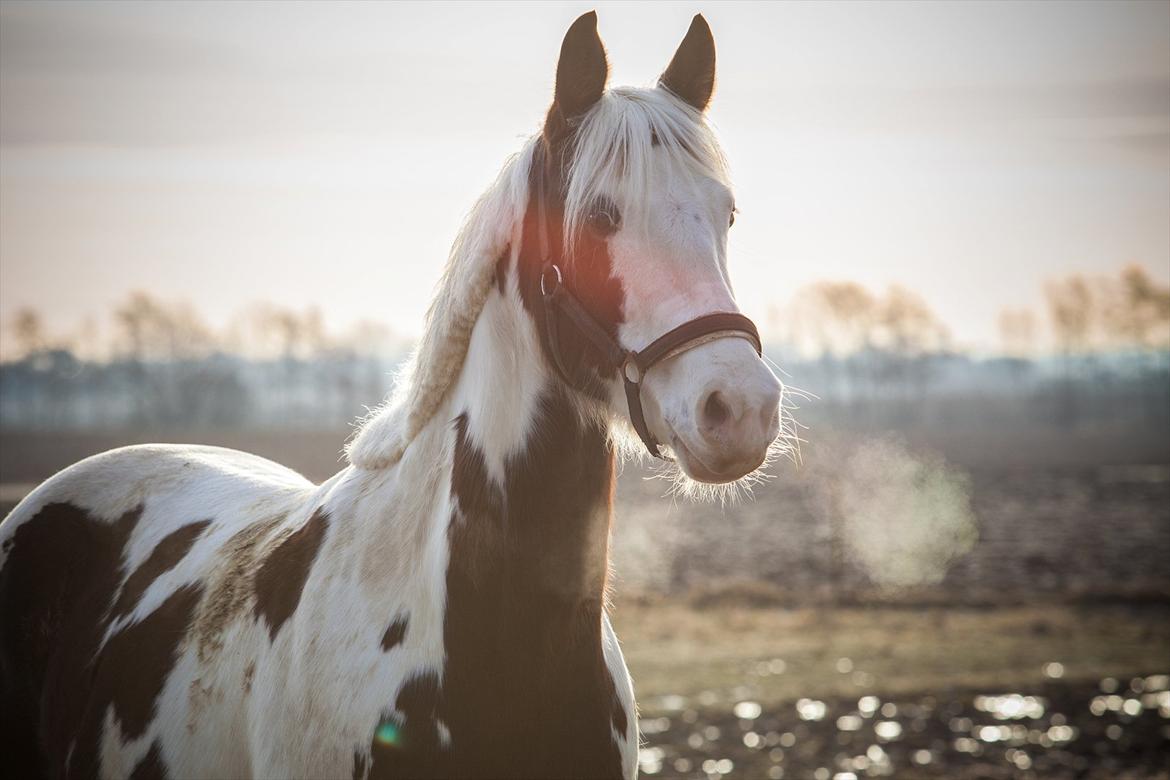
249 674
136 662
361 765
618 714
199 696
280 580
56 586
395 633
152 766
481 519
522 629
502 269
417 749
229 585
587 272
164 557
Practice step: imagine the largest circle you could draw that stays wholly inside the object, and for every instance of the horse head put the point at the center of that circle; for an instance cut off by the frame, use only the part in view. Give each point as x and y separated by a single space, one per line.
624 264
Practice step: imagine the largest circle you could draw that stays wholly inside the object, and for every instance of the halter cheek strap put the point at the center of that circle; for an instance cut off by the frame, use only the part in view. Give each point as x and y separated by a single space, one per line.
633 365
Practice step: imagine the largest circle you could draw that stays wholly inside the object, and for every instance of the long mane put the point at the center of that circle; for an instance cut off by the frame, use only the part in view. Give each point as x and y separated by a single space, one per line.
612 153
426 377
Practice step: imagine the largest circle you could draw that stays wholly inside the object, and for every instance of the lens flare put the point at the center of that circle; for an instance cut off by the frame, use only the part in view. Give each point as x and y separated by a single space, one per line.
388 734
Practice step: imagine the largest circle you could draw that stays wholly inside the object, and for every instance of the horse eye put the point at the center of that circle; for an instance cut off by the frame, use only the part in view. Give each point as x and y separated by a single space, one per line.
731 221
604 219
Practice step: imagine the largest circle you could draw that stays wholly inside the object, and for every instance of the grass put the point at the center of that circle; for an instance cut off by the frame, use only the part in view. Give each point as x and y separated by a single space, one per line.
719 656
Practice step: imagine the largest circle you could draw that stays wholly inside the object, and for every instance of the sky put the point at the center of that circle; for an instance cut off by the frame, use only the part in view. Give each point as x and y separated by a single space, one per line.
325 155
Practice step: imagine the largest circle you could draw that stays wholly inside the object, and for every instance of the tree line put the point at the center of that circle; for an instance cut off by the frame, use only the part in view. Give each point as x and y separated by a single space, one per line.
160 364
863 354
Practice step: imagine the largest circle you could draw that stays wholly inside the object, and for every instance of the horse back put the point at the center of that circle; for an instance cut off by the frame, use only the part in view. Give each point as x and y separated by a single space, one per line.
102 568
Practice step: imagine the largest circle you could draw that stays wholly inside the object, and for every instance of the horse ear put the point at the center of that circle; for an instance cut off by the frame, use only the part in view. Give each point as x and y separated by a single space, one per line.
581 74
691 72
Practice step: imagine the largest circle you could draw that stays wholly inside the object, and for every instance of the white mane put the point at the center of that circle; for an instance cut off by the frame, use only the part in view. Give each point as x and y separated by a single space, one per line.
612 153
427 376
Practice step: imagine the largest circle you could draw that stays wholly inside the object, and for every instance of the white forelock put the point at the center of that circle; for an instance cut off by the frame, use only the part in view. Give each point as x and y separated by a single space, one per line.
615 145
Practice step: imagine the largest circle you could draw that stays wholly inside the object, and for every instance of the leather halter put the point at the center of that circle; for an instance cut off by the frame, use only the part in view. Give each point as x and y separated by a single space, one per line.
633 364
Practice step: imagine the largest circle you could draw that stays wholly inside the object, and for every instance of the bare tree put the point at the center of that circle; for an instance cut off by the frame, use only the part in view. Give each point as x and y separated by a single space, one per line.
28 331
907 326
850 315
1071 311
150 329
1136 311
1017 332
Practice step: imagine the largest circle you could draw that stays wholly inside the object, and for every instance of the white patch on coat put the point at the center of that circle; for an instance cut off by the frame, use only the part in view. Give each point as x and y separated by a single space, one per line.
624 686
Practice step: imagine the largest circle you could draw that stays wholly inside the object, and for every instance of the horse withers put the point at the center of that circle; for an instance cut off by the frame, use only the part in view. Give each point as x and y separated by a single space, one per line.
437 608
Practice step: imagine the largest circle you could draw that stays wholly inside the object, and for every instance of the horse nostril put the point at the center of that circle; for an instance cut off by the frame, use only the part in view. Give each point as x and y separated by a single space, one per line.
770 417
715 411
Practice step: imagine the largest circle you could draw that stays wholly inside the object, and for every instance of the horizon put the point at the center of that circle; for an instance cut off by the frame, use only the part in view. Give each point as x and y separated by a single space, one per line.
202 153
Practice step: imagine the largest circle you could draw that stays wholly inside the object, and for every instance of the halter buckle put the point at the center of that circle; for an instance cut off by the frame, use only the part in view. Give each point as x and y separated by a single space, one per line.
544 289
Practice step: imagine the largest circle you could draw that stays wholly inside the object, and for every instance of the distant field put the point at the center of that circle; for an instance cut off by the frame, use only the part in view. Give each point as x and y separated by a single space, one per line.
1059 516
29 457
32 457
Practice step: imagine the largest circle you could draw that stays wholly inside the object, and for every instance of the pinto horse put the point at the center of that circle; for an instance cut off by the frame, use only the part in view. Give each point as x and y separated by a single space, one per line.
436 609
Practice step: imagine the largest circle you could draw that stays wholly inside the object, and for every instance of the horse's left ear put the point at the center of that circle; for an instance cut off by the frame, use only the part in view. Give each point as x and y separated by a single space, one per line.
582 71
691 72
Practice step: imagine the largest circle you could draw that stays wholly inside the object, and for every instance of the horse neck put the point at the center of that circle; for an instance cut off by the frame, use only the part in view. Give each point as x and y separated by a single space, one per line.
531 474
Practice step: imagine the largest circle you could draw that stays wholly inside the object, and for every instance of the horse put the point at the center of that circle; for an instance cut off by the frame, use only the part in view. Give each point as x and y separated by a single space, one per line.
438 608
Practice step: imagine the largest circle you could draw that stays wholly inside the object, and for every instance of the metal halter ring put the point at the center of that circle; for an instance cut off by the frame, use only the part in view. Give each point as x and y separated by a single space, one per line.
631 370
543 274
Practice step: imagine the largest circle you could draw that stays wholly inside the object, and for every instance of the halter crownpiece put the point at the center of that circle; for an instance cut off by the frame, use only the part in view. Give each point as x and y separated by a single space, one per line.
632 364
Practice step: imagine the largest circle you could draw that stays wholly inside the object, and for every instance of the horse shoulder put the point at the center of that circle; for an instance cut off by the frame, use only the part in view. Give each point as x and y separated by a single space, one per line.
369 626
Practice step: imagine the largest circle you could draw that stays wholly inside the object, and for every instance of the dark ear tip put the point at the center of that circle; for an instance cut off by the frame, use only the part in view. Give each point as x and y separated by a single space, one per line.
583 28
588 19
583 33
699 26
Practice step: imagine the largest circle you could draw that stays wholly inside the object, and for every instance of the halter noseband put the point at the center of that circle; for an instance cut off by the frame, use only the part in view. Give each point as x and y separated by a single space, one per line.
633 365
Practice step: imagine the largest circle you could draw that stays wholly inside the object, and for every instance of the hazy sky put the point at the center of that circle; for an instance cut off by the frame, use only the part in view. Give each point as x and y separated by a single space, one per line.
326 154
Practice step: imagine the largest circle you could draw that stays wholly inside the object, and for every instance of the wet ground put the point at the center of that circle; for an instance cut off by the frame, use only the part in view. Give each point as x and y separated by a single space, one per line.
1102 729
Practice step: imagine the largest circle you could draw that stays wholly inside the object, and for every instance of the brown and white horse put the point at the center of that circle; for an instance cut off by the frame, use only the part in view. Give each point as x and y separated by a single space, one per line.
436 609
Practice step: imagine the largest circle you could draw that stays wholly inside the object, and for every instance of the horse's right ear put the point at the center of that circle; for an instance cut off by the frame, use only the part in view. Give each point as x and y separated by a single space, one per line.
582 71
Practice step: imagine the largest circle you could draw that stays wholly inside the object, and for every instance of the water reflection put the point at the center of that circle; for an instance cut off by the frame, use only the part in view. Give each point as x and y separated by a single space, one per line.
748 710
810 709
1062 730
